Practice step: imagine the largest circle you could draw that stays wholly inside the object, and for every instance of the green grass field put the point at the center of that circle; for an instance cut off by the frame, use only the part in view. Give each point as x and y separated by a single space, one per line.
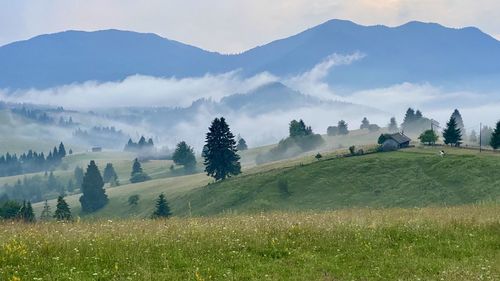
457 243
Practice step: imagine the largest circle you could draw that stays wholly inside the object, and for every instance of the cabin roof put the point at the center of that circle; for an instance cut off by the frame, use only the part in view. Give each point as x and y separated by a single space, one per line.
399 138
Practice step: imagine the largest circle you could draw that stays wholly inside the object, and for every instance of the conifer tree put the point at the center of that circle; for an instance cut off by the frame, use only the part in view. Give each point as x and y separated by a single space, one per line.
221 159
184 155
109 173
63 212
460 122
62 150
451 134
162 209
473 137
137 174
94 196
495 137
26 213
242 144
46 214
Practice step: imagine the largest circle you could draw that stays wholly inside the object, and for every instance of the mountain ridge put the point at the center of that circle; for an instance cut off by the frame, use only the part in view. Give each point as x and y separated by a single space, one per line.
412 52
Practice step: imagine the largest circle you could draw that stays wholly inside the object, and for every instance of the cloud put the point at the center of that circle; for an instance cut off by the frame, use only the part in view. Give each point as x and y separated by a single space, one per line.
140 90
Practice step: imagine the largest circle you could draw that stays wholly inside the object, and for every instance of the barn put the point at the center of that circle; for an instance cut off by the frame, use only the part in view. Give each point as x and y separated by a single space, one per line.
395 141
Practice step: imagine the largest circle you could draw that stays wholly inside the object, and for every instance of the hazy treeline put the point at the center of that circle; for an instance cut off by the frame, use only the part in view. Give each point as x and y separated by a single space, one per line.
31 161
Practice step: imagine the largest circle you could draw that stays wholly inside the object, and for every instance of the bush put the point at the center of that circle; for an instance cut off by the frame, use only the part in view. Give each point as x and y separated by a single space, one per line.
352 150
133 200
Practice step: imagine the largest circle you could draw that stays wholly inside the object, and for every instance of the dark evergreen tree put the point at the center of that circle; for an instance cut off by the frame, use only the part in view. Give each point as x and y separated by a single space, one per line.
332 130
137 175
242 144
452 134
393 125
26 213
63 212
418 114
460 122
221 159
70 187
495 137
10 209
94 196
409 116
364 123
342 126
62 150
162 209
52 182
184 155
109 173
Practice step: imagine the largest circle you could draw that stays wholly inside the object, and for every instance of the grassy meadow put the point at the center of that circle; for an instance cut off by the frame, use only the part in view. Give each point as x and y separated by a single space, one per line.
454 243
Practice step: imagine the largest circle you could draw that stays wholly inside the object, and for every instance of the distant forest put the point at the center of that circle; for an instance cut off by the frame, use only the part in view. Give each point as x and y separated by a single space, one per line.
31 161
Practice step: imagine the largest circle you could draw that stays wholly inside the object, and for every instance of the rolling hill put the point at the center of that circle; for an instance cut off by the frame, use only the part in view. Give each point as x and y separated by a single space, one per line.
413 52
406 179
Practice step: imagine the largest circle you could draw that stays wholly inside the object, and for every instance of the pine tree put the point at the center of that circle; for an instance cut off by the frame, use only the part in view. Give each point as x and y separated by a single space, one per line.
26 213
62 213
46 212
109 173
52 182
242 144
62 150
460 123
94 196
162 208
137 175
365 124
451 134
221 159
184 155
409 116
495 137
418 115
393 125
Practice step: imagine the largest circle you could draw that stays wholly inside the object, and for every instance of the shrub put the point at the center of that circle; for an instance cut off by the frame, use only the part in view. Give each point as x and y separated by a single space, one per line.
283 187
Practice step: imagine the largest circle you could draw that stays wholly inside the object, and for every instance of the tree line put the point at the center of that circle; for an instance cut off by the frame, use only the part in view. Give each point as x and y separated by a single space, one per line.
31 161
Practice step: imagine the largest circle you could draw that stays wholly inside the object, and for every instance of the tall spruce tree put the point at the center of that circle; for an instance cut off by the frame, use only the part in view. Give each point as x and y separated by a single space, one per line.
94 196
46 214
162 209
62 150
62 213
460 122
221 159
452 134
79 174
495 137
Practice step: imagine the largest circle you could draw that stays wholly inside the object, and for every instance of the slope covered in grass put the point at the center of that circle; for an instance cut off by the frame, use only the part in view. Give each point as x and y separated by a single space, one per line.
413 178
460 243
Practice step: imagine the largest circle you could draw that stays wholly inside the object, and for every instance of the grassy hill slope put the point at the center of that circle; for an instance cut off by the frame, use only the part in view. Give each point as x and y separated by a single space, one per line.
413 178
409 178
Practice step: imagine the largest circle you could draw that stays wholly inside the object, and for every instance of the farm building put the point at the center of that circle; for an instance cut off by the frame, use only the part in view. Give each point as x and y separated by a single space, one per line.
395 142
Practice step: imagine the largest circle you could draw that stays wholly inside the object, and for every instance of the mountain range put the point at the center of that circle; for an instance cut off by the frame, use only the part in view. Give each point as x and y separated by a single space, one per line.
414 52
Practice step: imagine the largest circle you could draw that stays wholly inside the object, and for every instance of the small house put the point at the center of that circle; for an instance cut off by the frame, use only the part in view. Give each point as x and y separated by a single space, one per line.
395 141
96 149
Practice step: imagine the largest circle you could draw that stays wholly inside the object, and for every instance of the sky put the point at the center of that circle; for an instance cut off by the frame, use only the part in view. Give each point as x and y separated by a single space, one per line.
232 26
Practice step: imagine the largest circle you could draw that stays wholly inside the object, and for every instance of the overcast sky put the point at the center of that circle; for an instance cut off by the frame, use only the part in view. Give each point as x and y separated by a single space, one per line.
232 26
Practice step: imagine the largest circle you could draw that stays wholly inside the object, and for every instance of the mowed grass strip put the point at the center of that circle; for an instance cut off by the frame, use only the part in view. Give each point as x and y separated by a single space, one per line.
459 243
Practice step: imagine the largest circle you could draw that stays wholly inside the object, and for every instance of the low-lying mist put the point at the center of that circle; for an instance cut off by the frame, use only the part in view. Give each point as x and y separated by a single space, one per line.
265 128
